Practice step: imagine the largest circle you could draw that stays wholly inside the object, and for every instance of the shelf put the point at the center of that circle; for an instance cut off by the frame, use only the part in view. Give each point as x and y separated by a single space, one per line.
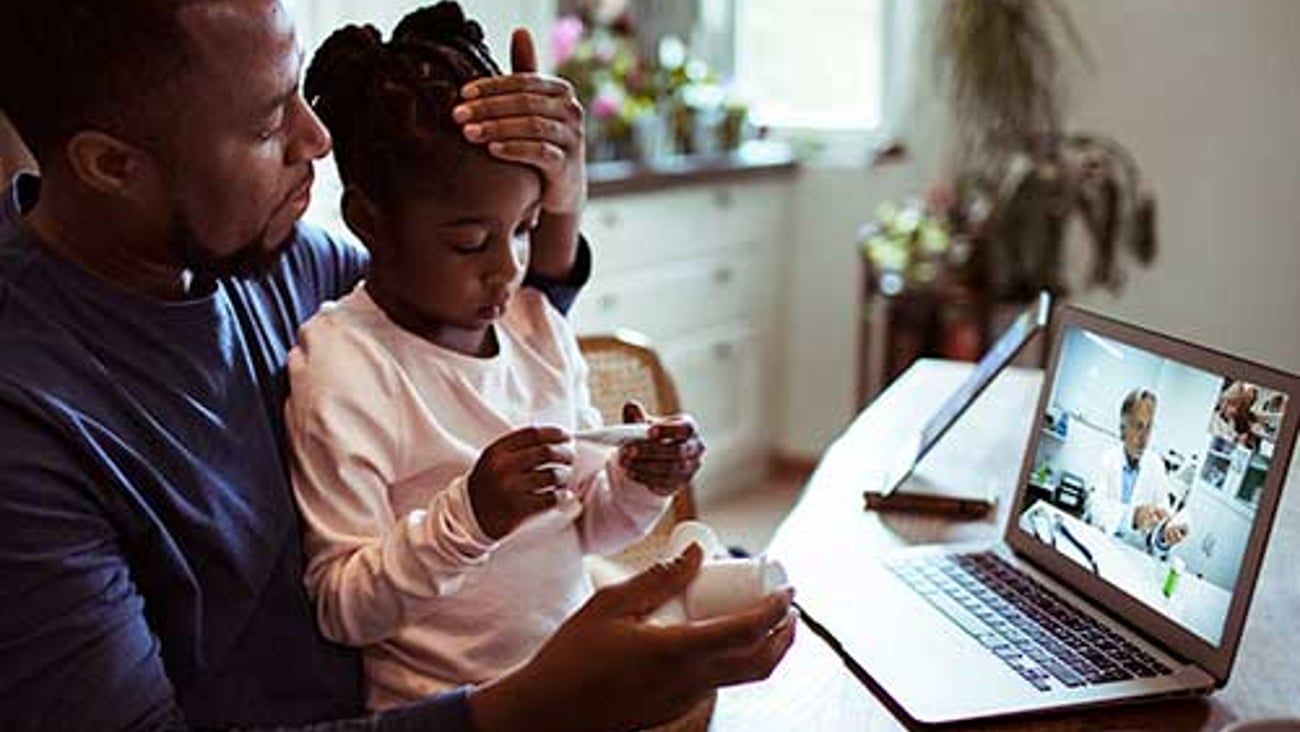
753 160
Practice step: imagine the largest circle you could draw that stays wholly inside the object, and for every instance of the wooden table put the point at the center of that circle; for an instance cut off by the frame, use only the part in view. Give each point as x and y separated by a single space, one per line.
828 533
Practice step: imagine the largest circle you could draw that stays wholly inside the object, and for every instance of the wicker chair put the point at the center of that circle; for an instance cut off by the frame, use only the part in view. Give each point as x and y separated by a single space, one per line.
623 367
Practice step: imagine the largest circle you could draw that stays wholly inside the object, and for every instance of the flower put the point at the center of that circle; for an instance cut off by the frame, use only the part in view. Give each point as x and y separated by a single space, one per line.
605 106
597 52
907 245
565 37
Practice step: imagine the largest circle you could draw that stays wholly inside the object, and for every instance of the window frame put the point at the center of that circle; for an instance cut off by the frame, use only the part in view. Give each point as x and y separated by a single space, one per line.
837 144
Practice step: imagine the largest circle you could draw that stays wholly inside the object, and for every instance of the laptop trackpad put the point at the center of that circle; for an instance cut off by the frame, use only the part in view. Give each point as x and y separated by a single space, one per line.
911 649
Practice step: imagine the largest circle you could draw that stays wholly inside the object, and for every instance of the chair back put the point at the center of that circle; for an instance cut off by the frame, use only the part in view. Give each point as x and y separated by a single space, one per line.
623 366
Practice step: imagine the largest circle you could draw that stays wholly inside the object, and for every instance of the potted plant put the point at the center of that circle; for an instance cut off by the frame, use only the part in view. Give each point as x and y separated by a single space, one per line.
644 103
1020 176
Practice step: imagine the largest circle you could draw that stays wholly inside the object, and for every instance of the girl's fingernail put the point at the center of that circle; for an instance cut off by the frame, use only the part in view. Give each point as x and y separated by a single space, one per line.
461 114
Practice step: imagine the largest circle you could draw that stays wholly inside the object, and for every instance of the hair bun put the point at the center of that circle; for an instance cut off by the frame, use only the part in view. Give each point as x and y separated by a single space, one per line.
343 66
439 24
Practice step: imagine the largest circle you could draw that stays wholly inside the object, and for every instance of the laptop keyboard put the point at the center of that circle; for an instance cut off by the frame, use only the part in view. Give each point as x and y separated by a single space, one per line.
1045 640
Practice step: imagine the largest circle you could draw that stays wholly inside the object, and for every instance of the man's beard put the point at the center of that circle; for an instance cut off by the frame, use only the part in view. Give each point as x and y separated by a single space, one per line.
252 259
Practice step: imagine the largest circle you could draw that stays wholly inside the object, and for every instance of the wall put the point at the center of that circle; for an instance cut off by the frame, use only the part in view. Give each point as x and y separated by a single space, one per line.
1206 94
823 268
317 18
819 358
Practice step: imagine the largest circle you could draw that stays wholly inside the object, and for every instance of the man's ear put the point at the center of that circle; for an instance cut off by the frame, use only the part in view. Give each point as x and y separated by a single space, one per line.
108 165
362 216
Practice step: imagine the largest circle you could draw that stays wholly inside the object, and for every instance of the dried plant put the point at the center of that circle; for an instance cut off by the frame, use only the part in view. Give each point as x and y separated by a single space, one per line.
1020 176
1002 61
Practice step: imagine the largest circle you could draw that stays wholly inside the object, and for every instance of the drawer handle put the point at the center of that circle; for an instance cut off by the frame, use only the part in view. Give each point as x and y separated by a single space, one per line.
724 275
607 302
723 198
724 351
609 218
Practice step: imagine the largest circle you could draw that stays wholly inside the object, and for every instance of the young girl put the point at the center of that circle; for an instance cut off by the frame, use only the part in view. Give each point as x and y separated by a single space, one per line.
445 533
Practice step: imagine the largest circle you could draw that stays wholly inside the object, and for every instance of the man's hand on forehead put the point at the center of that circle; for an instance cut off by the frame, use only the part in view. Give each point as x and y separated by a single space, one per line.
529 118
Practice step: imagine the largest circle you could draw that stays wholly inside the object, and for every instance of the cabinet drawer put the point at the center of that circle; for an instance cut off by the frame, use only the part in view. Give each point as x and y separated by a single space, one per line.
719 378
647 229
679 298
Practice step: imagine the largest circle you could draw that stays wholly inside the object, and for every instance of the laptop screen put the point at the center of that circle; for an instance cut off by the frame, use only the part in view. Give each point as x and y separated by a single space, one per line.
1148 473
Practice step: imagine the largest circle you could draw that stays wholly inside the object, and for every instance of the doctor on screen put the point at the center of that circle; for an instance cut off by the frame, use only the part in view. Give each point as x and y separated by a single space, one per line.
1130 498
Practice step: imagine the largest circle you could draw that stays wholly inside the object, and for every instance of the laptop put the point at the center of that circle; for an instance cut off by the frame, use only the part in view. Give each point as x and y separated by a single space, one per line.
917 443
1105 587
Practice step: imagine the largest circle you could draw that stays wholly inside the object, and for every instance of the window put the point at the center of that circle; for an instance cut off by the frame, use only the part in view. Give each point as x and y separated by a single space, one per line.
811 64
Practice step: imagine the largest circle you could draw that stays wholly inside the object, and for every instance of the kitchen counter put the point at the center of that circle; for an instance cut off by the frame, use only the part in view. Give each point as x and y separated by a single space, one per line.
753 160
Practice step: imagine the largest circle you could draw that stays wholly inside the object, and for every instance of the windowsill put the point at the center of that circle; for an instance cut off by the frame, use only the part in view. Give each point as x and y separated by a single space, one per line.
753 160
843 148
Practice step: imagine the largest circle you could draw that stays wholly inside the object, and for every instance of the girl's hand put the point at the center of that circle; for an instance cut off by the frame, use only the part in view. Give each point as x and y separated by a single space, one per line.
528 118
518 476
667 461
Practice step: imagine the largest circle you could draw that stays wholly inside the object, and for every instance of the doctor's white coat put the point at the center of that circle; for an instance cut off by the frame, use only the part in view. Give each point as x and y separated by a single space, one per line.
1106 508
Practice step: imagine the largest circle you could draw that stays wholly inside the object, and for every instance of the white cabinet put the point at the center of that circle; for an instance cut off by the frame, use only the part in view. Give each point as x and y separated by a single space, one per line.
720 377
695 268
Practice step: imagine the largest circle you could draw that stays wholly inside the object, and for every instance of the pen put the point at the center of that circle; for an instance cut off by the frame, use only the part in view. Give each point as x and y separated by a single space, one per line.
922 503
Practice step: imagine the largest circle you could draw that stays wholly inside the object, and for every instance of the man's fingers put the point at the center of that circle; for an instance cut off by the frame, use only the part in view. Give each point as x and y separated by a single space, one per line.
523 57
741 632
1156 515
511 105
539 129
760 661
643 593
544 156
492 88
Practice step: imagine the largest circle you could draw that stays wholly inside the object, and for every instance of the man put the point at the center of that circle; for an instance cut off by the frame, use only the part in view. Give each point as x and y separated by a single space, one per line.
1131 497
150 567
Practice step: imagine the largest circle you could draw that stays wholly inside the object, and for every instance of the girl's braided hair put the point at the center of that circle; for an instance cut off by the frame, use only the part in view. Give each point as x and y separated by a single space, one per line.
388 104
